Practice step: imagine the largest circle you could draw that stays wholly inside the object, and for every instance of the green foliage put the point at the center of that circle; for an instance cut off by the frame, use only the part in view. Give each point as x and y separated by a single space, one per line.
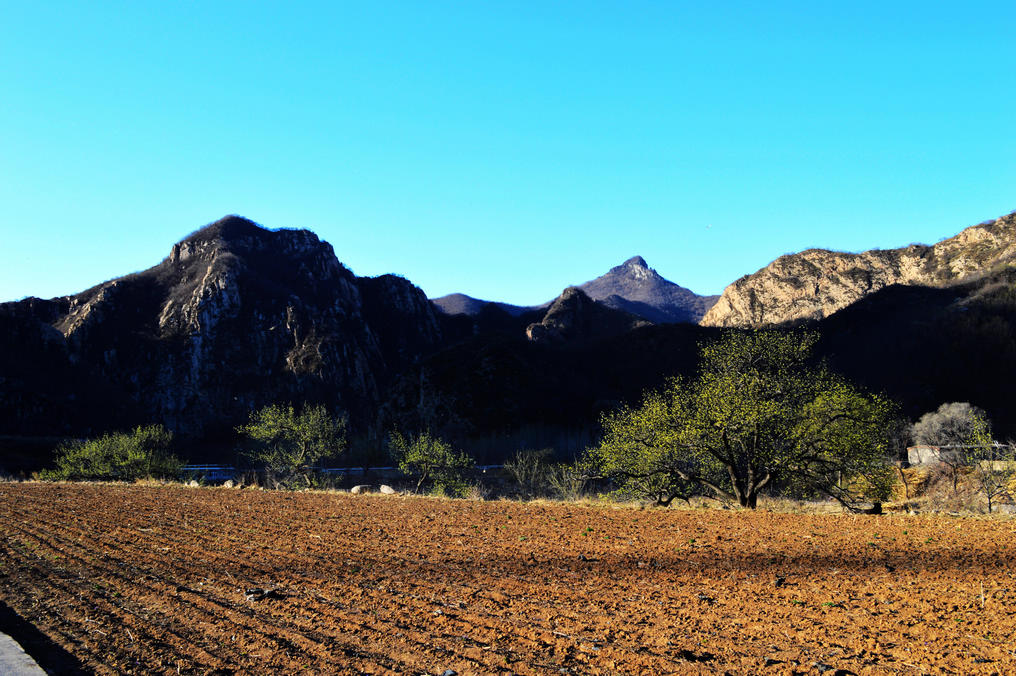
434 461
287 443
124 456
758 413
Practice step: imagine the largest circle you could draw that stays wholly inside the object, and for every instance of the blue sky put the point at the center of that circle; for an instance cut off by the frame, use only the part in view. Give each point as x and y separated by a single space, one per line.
506 149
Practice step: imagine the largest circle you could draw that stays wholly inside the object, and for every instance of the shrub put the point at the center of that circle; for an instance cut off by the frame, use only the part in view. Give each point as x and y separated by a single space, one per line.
530 471
124 456
568 482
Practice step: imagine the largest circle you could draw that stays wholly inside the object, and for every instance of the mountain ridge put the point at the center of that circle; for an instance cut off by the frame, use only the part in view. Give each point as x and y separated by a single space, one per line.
631 287
237 316
815 283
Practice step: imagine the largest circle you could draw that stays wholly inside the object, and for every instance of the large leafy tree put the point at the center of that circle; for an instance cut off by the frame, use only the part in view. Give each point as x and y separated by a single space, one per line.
759 412
287 442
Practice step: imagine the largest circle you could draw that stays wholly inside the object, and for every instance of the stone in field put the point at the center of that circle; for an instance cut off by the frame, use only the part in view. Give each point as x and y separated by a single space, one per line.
387 490
362 488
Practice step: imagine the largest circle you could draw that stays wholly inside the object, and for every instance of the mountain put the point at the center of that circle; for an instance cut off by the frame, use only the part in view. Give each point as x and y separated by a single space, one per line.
636 288
461 304
926 345
235 317
574 316
816 283
632 287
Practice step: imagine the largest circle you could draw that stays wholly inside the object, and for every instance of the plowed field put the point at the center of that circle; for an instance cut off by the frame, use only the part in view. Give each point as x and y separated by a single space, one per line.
149 579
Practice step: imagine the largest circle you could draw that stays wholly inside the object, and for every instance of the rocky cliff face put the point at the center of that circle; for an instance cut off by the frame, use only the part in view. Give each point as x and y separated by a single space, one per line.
575 317
636 288
816 283
236 316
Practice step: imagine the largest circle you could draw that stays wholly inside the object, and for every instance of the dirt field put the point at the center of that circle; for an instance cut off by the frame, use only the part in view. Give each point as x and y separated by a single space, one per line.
148 579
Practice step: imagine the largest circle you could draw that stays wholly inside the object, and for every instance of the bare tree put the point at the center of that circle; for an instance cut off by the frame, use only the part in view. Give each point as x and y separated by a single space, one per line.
951 424
952 427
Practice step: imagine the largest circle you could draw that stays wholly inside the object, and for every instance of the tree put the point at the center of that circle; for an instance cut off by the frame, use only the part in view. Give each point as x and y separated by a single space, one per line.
994 464
288 443
952 427
124 456
432 460
952 424
759 412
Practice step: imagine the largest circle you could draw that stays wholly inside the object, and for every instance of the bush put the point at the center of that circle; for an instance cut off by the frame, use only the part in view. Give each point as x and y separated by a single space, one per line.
568 482
530 471
143 453
434 461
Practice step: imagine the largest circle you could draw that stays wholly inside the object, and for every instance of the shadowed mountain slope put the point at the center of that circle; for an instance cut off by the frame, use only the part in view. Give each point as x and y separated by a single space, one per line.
923 346
574 316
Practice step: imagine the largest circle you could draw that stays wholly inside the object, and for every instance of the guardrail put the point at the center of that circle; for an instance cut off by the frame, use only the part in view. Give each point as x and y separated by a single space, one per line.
226 472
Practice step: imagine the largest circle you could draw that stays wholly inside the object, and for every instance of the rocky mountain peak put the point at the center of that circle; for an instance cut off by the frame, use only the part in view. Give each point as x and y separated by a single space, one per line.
239 235
636 288
636 270
226 229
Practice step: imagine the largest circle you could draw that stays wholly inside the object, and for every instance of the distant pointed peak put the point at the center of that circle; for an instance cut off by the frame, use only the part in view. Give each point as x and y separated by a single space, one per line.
636 262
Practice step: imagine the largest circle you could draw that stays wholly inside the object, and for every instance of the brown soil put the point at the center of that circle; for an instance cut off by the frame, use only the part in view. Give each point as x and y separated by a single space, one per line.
149 579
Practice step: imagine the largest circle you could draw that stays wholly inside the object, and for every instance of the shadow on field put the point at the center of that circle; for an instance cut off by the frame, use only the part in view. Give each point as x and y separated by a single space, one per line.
51 657
878 562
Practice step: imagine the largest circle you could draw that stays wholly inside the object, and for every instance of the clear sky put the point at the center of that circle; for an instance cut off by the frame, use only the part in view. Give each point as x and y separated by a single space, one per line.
500 149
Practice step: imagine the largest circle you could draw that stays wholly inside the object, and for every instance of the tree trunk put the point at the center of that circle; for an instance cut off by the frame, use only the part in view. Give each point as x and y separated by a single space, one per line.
903 480
735 485
419 483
